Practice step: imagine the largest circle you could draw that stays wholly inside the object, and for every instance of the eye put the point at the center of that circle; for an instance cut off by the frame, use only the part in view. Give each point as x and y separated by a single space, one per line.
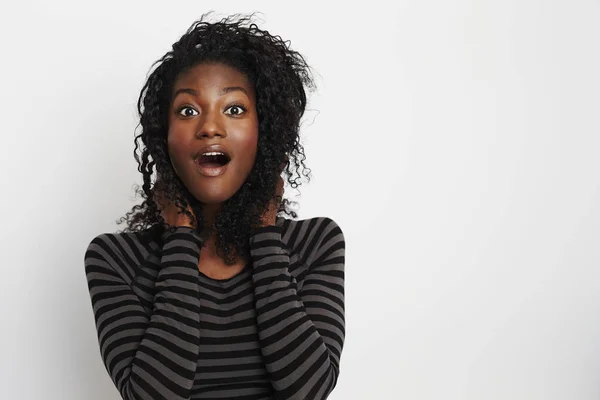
187 111
235 109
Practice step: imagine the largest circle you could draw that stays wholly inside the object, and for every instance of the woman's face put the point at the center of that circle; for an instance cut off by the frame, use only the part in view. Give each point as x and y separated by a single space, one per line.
213 104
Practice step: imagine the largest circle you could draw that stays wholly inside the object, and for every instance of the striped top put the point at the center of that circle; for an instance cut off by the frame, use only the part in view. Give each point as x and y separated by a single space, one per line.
273 331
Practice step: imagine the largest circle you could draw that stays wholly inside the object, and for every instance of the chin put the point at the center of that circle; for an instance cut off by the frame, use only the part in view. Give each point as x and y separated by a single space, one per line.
211 199
212 190
212 196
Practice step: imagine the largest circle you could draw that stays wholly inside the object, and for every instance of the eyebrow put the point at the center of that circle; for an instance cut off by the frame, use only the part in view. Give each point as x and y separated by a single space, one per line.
221 93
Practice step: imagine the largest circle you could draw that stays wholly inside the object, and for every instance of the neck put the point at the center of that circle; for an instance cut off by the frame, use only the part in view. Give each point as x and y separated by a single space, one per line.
209 214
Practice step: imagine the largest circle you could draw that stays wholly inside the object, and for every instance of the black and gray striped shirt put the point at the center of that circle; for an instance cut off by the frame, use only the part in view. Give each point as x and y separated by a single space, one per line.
273 331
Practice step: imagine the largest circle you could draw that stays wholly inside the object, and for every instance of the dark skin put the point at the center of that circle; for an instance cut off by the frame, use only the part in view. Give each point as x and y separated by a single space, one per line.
214 104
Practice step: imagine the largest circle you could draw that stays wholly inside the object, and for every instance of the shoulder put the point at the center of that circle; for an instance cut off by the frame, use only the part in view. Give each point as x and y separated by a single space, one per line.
106 244
116 251
122 242
313 238
311 227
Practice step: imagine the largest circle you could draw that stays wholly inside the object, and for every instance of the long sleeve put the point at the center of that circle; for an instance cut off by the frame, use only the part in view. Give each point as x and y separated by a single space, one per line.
147 356
301 333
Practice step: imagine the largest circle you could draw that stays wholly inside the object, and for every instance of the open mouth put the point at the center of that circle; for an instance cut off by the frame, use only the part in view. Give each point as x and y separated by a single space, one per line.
212 160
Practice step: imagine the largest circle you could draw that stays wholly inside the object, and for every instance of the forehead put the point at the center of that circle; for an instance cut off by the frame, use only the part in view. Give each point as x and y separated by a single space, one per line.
212 75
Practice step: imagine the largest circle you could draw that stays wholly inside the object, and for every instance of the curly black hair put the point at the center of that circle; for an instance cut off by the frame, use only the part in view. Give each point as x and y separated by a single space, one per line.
279 75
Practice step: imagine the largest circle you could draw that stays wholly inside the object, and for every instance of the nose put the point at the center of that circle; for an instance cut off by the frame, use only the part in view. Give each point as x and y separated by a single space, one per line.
210 126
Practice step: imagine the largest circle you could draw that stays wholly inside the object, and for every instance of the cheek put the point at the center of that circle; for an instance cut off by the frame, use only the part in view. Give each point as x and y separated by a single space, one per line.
175 148
250 145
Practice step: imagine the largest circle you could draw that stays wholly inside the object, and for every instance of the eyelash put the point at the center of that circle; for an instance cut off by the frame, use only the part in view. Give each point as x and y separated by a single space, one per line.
244 109
236 105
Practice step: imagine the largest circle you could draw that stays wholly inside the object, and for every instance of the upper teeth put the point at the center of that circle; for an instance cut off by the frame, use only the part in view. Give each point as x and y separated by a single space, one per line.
213 153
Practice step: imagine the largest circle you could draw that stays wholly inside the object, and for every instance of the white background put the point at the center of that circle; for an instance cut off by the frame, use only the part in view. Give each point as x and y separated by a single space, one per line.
455 142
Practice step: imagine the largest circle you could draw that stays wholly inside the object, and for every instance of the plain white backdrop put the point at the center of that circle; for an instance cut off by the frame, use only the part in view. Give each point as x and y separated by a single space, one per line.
455 142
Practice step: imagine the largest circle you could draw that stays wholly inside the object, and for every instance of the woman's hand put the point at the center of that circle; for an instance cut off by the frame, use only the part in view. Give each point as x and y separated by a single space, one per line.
169 210
270 216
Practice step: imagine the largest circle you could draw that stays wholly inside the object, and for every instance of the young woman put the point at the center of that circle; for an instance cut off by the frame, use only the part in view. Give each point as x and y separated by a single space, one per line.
208 293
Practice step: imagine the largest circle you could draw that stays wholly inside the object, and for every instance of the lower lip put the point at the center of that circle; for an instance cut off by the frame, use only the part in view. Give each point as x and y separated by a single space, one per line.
212 172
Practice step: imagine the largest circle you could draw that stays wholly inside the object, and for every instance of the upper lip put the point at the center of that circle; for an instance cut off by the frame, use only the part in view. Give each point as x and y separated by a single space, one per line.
212 147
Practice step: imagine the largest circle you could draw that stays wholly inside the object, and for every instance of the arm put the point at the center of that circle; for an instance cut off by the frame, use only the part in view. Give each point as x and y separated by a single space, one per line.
301 333
148 357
